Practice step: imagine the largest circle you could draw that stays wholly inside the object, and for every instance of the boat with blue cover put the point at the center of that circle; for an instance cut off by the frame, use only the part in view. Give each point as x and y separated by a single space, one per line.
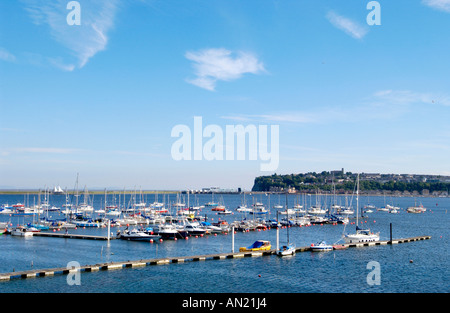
258 245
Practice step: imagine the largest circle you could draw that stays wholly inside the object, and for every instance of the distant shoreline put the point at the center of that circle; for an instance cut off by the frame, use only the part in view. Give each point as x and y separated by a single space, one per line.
101 192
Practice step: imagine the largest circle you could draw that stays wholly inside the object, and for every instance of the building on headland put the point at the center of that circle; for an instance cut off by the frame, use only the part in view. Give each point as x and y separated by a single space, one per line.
210 190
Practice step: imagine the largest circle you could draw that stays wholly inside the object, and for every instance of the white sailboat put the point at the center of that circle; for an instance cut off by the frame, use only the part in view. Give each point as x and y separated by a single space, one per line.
289 248
361 235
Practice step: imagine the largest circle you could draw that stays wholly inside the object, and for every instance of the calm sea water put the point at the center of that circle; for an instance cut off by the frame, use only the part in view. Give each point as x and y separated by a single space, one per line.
417 267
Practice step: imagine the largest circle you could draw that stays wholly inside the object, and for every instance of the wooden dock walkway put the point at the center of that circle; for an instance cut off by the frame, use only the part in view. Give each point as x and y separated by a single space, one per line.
194 258
73 236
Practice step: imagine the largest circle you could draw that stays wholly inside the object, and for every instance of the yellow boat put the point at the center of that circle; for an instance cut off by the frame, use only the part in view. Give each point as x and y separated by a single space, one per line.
258 245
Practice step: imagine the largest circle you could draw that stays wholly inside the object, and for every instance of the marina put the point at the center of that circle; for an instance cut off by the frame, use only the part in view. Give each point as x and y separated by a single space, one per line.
208 236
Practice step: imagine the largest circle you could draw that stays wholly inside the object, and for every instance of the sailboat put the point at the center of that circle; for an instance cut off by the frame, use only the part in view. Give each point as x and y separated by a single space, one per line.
289 248
361 235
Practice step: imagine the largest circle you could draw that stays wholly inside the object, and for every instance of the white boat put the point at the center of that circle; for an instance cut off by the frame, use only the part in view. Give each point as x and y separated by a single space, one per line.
137 235
345 211
243 208
58 190
361 235
113 213
321 247
21 231
194 229
170 231
226 212
288 212
88 223
416 209
289 248
316 210
85 208
302 221
258 208
286 250
394 210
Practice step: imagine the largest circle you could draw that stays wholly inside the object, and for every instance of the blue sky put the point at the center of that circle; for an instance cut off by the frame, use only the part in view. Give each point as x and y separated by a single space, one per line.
101 98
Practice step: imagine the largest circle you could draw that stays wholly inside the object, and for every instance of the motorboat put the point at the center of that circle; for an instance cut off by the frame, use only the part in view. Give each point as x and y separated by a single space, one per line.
361 235
288 212
219 208
318 219
226 212
194 229
170 231
288 249
137 235
394 210
302 221
88 223
258 245
38 226
345 211
243 208
321 247
21 231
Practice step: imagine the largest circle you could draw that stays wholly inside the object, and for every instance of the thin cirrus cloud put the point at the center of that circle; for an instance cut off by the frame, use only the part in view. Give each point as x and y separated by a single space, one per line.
347 25
5 55
407 97
213 65
441 5
83 41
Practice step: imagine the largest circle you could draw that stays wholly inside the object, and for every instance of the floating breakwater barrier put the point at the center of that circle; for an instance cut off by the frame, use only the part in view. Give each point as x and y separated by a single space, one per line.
170 260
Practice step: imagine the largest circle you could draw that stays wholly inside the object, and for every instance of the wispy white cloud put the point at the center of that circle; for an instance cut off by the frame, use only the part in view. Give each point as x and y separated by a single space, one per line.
212 65
5 55
442 5
42 150
381 105
85 40
406 97
290 117
347 25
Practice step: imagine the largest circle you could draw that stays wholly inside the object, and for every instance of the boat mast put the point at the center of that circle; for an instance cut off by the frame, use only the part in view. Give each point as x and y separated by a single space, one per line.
287 215
357 200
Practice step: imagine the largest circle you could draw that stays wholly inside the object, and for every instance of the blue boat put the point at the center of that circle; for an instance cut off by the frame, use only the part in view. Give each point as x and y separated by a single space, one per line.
38 226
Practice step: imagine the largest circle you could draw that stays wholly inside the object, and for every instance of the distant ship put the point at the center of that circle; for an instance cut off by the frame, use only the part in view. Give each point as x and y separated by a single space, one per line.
58 191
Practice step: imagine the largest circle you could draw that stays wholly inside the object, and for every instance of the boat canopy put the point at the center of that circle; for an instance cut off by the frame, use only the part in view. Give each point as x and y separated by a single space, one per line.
258 244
